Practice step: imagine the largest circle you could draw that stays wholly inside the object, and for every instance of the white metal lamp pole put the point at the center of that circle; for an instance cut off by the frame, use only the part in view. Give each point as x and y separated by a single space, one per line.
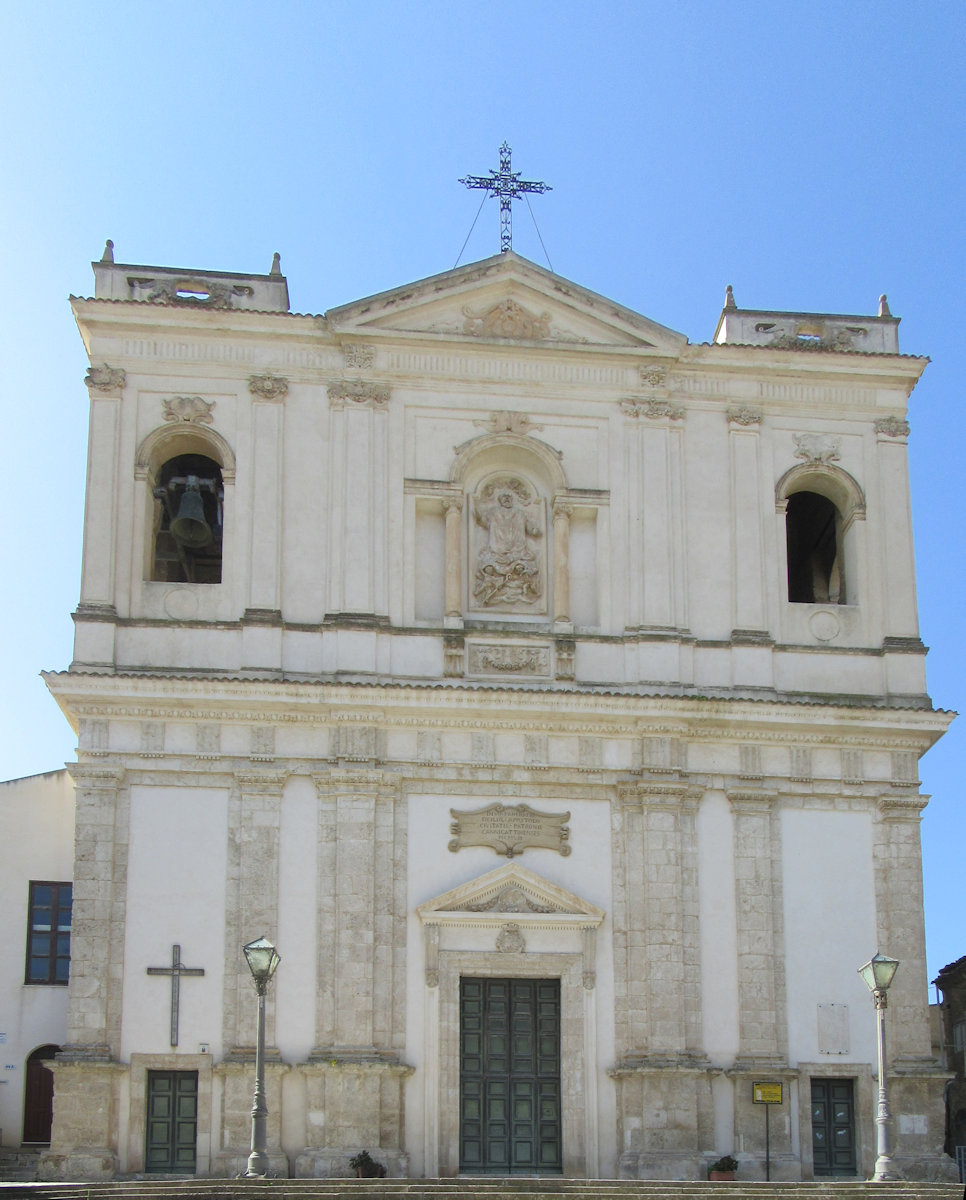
263 959
878 974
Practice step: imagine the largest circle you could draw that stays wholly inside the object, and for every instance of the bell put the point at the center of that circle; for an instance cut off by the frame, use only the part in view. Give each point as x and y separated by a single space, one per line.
190 527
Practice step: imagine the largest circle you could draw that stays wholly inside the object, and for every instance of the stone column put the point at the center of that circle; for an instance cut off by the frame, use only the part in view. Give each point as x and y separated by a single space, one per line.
354 1076
661 1069
84 1134
254 820
453 606
561 561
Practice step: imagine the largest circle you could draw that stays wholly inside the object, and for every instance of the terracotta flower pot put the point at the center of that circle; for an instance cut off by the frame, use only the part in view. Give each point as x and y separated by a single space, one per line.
722 1175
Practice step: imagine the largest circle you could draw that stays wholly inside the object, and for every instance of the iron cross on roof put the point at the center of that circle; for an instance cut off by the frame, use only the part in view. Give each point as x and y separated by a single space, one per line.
176 970
508 186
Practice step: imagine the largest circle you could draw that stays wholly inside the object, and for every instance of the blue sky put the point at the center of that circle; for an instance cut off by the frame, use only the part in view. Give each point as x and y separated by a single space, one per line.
810 154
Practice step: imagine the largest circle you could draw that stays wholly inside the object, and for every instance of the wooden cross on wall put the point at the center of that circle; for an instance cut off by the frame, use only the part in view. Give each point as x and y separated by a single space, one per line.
176 970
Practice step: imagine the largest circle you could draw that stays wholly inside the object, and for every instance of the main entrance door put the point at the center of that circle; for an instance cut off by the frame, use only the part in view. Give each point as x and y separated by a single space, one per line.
172 1124
510 1076
833 1127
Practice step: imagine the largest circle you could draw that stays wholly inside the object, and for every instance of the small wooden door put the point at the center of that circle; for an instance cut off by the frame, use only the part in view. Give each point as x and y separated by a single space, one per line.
172 1121
38 1099
510 1076
833 1127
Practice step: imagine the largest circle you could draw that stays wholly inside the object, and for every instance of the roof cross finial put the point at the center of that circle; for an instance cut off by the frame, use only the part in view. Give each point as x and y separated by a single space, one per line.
508 186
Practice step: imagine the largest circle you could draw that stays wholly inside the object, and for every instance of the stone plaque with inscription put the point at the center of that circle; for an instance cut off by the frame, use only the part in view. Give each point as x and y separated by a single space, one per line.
510 829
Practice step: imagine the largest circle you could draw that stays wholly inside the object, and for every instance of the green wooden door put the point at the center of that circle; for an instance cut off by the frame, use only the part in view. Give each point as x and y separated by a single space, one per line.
172 1121
510 1076
833 1127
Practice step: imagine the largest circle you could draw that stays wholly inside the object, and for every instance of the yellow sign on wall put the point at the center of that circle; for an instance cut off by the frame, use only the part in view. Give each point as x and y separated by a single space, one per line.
767 1093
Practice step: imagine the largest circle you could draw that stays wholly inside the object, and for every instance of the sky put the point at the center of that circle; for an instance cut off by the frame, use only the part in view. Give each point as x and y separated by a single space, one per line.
809 154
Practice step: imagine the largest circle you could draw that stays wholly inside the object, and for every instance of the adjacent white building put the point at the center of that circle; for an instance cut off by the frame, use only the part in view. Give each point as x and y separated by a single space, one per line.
547 687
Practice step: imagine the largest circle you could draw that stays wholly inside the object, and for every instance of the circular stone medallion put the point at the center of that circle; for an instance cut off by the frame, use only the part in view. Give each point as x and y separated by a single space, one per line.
181 604
824 626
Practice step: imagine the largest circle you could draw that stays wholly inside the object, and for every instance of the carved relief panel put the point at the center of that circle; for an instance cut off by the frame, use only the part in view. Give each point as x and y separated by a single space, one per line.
507 547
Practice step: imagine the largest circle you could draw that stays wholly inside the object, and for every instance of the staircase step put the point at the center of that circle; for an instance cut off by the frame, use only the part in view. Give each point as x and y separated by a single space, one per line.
465 1188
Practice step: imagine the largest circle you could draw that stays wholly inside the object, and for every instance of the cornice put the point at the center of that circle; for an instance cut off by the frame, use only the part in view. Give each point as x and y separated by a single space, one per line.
468 706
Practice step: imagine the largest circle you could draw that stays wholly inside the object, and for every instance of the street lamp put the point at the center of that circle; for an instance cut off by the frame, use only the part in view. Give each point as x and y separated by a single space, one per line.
263 959
878 973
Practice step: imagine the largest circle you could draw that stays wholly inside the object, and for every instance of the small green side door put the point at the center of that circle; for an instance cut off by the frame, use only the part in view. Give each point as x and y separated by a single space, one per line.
510 1076
172 1122
833 1127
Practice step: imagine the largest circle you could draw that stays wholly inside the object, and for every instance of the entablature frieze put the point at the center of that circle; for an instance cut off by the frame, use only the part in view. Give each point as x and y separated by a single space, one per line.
97 777
340 781
902 807
262 783
644 795
752 803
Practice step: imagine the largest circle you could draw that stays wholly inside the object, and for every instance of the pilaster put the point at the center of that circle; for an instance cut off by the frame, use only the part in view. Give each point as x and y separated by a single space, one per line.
359 498
254 821
102 824
760 929
362 906
747 542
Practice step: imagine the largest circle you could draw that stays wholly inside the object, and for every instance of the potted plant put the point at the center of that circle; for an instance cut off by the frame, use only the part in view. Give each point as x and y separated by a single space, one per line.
724 1168
366 1167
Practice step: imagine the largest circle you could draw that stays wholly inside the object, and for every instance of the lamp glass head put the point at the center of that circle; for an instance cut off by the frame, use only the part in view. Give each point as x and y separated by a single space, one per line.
878 972
262 958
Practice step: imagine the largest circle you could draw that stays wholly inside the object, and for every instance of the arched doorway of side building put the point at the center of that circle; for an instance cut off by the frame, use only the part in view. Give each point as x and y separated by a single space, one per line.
38 1100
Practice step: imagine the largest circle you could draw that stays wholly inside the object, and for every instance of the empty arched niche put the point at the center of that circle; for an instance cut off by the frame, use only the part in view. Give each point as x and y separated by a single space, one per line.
185 470
820 504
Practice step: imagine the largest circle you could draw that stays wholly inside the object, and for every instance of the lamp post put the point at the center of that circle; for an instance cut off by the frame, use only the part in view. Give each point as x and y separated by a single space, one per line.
878 973
263 959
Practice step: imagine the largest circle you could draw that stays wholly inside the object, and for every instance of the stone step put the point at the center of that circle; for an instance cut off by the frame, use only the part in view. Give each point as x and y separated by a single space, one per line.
472 1189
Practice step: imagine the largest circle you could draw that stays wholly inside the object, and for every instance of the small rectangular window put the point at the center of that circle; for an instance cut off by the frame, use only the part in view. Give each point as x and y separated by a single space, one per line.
48 932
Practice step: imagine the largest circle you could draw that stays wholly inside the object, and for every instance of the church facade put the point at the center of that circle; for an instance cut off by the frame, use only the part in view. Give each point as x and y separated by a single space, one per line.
546 687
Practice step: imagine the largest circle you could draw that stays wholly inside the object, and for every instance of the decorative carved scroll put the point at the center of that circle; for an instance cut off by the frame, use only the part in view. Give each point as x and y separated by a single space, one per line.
510 829
743 415
892 427
268 387
510 900
497 659
508 422
359 393
105 378
508 319
193 409
510 939
191 293
817 447
652 377
654 410
357 354
508 566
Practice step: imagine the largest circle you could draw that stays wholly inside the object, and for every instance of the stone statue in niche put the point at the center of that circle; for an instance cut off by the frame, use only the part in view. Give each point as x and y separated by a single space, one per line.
508 571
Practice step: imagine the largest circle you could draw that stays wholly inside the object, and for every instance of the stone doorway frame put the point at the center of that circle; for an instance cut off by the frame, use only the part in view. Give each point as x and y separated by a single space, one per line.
452 928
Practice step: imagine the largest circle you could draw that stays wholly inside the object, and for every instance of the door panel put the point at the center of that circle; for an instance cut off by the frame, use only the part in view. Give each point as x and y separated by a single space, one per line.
833 1127
172 1121
510 1076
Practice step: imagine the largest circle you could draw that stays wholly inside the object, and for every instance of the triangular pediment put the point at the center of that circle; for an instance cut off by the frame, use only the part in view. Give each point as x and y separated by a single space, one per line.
504 299
509 893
